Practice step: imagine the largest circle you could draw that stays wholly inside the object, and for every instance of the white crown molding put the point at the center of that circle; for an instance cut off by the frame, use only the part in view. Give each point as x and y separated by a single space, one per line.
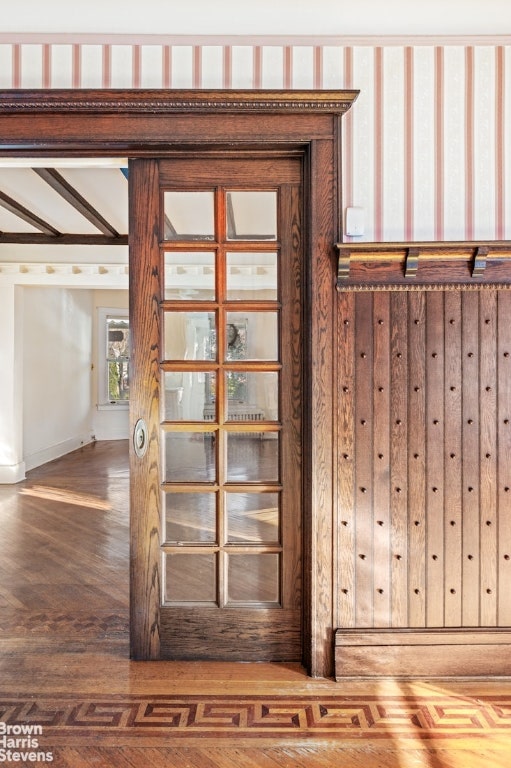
60 275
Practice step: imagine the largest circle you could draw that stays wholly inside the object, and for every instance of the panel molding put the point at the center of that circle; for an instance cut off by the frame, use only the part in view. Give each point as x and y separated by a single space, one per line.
420 653
449 265
181 101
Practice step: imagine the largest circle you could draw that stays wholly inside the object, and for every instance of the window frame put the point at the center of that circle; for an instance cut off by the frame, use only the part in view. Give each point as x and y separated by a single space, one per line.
103 315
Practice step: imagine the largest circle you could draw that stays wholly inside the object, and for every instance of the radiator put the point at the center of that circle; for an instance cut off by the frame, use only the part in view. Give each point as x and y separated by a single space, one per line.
238 412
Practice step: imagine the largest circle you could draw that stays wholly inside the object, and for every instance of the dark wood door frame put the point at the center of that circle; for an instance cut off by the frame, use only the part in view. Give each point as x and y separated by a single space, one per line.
132 123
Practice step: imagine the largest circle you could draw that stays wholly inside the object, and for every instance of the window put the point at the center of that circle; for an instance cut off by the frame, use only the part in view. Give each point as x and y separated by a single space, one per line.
113 357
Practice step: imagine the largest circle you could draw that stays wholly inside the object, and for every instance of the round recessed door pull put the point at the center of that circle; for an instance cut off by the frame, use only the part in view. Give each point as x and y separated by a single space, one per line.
140 438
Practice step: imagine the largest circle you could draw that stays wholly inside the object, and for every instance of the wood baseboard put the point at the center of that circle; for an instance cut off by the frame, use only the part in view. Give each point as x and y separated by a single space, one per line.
422 653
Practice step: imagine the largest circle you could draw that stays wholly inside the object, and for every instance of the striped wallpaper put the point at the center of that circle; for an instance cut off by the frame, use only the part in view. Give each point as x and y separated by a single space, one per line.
427 146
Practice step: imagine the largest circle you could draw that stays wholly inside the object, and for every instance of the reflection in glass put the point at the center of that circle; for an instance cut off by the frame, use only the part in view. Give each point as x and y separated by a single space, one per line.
236 334
253 518
190 517
253 578
251 215
187 335
189 276
252 276
189 215
190 578
252 457
189 457
261 335
185 396
252 396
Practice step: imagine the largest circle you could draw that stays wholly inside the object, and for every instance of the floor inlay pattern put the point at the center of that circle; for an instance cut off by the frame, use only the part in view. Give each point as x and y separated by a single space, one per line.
109 718
106 624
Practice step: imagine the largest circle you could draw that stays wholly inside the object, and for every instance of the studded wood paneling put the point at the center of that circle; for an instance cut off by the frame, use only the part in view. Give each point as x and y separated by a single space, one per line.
424 472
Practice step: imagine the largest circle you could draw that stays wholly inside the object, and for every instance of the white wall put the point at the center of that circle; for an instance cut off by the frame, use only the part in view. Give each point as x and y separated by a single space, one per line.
57 344
12 467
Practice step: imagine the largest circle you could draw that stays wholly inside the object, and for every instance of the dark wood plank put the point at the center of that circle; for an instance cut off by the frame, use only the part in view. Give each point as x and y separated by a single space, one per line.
319 390
345 513
471 460
503 465
417 457
145 476
382 396
364 426
399 460
292 394
487 445
453 460
435 610
278 170
36 238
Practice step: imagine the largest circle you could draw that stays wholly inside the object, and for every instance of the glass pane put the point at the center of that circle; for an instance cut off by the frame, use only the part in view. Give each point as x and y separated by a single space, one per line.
251 215
252 457
253 518
118 355
236 332
189 276
252 336
209 409
189 457
188 396
189 215
252 396
190 578
237 394
252 276
118 381
189 336
190 517
253 578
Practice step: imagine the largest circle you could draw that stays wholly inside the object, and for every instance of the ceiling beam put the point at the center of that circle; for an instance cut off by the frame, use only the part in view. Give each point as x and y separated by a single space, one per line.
74 198
23 213
36 238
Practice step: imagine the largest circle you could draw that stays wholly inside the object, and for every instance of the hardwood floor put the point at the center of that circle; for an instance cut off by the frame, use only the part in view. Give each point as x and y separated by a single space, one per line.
65 668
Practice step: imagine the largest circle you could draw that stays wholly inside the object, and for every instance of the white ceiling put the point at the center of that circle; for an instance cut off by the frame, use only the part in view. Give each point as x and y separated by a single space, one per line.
102 184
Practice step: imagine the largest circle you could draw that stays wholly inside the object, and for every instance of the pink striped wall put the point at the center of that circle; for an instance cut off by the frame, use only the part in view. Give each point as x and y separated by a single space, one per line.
427 146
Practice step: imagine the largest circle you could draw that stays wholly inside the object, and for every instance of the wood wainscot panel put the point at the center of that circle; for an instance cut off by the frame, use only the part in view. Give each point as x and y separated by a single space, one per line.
422 653
423 544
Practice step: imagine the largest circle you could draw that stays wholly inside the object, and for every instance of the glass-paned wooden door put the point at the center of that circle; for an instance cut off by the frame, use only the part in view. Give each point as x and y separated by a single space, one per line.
230 421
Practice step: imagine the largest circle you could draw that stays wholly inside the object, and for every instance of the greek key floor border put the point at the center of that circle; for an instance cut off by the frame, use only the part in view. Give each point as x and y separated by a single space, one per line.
162 719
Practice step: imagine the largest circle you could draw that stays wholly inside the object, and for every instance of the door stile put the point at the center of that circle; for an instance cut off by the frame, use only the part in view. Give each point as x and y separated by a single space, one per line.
319 428
292 405
145 494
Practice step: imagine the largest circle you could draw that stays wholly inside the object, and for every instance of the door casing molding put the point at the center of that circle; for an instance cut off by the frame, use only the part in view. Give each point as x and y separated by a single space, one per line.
134 123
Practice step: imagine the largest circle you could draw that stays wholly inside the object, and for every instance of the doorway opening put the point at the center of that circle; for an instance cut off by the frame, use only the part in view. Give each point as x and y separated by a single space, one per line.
262 125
